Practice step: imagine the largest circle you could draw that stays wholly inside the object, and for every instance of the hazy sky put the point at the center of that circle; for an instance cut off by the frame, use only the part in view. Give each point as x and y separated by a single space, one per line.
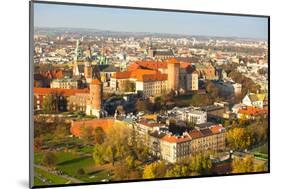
53 15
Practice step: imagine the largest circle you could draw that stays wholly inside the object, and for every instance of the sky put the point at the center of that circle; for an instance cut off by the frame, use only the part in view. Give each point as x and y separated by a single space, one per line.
129 20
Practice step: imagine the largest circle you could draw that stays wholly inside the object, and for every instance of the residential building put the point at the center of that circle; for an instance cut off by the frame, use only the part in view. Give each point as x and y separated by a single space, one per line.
259 100
65 83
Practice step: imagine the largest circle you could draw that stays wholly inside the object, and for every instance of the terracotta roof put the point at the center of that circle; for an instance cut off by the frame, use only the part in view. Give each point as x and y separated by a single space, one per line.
152 77
122 75
59 91
96 82
195 134
251 110
154 65
216 129
185 65
141 75
170 138
77 126
172 61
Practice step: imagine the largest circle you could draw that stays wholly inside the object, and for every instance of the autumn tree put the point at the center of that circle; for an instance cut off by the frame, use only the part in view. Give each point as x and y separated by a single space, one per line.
49 159
212 90
200 163
98 154
238 139
129 86
87 134
154 170
99 135
48 104
177 171
245 165
143 105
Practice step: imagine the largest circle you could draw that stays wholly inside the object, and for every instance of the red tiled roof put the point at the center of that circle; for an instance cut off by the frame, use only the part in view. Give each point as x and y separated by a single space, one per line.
251 110
66 92
216 129
172 61
185 65
170 138
122 75
141 75
96 82
195 134
154 65
153 77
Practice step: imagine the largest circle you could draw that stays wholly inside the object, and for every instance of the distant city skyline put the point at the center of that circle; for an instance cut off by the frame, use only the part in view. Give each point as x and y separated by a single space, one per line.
132 20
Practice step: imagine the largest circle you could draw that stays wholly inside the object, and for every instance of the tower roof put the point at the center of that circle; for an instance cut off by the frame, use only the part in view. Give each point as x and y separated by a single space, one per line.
172 61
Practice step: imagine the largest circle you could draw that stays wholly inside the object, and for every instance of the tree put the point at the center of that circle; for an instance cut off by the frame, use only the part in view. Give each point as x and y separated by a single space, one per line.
61 131
200 163
48 104
121 171
212 90
38 141
49 159
154 170
81 171
245 165
238 139
99 135
98 154
143 105
111 154
129 86
200 100
130 162
177 171
87 133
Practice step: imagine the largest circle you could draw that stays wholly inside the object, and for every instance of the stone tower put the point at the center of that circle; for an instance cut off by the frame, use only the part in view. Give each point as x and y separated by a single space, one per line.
173 74
94 106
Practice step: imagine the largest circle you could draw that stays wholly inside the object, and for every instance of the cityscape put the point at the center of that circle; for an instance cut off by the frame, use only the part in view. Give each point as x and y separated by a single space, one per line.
112 104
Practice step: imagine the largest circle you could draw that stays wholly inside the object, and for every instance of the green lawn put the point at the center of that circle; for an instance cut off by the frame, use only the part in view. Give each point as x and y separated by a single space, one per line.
70 162
261 149
55 179
70 167
38 182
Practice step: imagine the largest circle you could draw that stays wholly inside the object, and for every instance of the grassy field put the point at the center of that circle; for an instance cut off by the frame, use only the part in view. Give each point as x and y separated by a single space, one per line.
51 178
38 182
71 167
69 163
261 149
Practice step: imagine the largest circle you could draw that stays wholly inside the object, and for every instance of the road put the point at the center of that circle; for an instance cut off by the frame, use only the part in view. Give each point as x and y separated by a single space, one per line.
72 179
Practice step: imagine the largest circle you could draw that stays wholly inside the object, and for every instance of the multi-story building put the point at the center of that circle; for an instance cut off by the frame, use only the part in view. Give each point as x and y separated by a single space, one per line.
259 100
62 99
190 114
192 80
181 76
65 83
173 148
206 71
149 82
251 112
88 100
